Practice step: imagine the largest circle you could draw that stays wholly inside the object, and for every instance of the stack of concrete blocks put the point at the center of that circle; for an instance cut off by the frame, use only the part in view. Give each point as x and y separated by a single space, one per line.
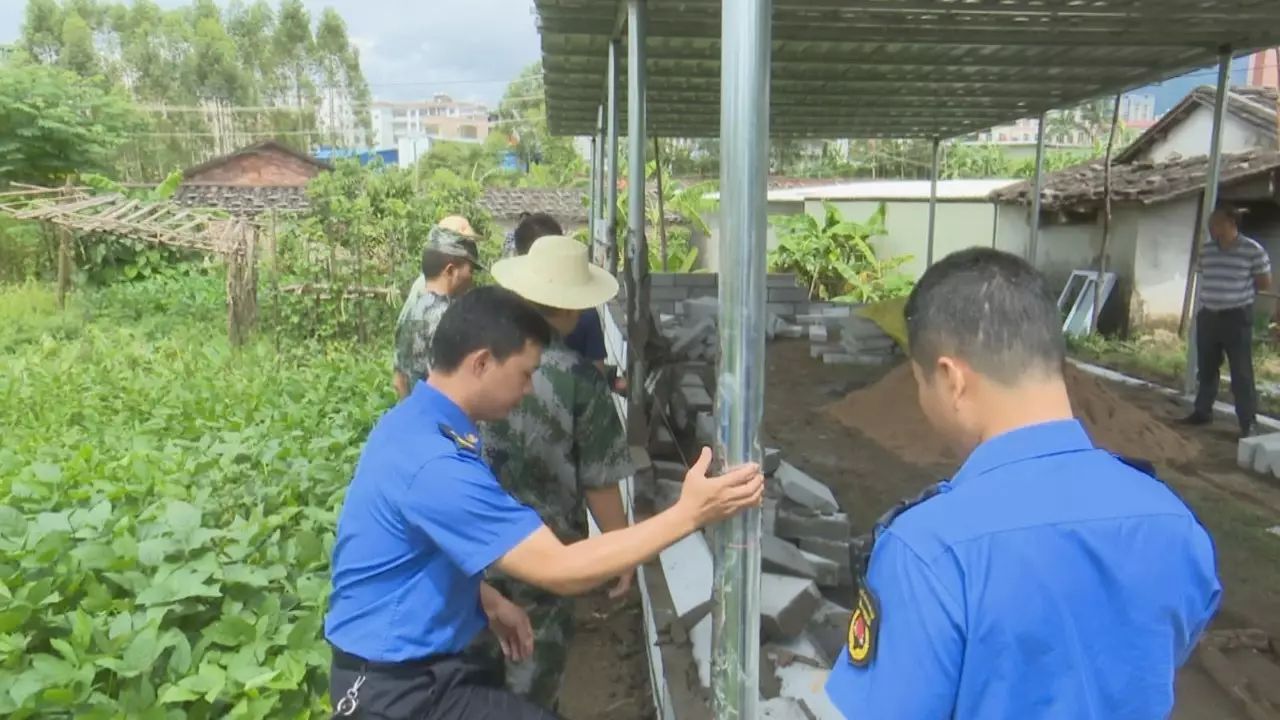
669 294
840 336
1260 454
804 548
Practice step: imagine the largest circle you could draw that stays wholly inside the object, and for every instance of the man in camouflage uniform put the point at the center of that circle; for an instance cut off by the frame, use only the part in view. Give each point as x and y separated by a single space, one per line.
448 263
563 450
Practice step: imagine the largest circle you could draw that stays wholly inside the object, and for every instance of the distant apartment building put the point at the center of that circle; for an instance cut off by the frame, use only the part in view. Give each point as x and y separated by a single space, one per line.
1264 68
441 118
1136 111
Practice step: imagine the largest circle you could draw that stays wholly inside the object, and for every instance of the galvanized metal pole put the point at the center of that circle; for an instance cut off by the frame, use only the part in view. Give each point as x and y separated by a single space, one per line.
744 168
611 151
933 200
593 202
1210 198
1033 244
637 246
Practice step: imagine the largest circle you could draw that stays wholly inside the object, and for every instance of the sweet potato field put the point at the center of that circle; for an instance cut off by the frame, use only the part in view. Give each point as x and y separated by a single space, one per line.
167 505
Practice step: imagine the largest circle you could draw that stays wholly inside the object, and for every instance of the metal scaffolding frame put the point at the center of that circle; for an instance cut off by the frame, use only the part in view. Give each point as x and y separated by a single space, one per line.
933 69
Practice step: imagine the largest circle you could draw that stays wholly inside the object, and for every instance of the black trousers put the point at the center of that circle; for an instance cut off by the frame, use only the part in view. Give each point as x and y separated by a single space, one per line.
1226 332
447 687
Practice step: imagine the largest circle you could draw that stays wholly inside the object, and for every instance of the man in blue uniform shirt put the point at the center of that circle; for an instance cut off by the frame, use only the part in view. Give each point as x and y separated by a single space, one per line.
424 518
1048 578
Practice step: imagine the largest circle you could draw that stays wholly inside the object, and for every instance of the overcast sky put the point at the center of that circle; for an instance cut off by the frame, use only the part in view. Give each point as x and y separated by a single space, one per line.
469 49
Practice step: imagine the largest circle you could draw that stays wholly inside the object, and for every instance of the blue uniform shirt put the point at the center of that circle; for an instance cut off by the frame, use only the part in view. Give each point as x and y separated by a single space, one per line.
587 338
422 519
1046 580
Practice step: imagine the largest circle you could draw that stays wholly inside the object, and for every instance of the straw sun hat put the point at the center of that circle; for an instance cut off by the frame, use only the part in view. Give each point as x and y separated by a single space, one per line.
556 273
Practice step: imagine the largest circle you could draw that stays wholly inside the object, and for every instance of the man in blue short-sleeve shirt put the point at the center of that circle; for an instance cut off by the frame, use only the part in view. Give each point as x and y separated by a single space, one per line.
424 518
1048 578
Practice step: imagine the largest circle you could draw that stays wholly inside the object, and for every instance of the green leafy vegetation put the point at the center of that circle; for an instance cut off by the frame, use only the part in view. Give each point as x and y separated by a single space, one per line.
167 505
835 259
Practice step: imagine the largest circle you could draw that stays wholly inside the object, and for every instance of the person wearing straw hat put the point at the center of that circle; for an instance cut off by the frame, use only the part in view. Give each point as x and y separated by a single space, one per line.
449 261
562 448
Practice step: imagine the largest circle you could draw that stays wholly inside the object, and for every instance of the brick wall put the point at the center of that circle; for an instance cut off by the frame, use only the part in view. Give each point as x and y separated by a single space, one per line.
667 290
260 169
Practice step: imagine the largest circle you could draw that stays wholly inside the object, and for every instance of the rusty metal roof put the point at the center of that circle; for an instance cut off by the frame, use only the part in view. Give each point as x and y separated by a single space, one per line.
894 68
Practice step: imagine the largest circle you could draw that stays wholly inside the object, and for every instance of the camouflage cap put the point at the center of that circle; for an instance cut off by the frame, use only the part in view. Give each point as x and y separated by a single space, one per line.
451 242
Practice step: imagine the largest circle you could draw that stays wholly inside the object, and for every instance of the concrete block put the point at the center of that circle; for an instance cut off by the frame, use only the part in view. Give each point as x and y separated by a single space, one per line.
664 310
854 344
857 359
679 413
821 350
782 280
700 639
790 331
662 279
828 628
687 568
701 292
805 490
828 526
788 294
782 708
664 443
786 310
671 293
772 460
1260 454
841 310
696 398
688 338
826 571
703 308
705 429
786 604
818 333
779 556
833 550
698 279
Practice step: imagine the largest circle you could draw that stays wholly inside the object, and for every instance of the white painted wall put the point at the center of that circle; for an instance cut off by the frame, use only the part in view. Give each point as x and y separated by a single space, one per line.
959 225
1190 137
709 246
1160 262
1062 248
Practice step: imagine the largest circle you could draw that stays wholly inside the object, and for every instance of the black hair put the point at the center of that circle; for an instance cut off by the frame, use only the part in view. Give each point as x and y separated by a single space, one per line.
487 318
989 308
533 226
435 262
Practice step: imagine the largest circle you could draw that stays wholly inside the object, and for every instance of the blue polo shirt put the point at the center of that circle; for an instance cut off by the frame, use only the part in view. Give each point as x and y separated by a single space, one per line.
421 521
587 337
1046 580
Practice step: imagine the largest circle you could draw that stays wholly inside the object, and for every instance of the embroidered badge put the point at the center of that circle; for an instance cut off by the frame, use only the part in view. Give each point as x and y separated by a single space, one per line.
469 443
864 625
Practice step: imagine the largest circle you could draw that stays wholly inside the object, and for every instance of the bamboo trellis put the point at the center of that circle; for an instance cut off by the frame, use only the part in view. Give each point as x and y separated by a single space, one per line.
157 222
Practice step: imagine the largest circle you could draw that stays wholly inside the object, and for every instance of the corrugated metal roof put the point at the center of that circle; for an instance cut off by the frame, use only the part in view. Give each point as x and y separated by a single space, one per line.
894 68
910 190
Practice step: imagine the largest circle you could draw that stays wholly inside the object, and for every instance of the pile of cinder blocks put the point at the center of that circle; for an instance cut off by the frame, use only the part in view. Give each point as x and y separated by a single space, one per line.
804 549
839 335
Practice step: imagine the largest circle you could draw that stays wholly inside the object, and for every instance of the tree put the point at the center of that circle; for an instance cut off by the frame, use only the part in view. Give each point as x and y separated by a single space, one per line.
58 124
77 53
522 115
42 30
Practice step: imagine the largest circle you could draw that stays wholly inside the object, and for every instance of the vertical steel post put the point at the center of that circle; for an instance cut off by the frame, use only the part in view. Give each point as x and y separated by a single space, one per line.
597 187
933 200
637 246
739 406
611 152
1210 198
593 203
1033 244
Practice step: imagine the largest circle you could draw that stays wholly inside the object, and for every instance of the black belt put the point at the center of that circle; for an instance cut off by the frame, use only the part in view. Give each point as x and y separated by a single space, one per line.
354 663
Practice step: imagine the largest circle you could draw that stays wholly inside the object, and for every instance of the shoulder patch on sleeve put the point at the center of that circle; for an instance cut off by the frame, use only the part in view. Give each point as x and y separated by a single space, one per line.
468 444
864 628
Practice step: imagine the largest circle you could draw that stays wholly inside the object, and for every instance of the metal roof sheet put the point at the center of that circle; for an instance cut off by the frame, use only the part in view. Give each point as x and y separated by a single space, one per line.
893 68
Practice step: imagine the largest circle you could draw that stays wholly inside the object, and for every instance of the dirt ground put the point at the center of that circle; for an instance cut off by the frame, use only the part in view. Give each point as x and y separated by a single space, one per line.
868 479
608 673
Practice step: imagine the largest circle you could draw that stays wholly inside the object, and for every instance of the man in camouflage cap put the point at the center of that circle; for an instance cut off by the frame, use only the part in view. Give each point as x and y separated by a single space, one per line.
562 450
448 264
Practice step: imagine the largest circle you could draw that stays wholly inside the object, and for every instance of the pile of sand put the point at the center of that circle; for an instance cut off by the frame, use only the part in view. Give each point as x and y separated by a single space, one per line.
889 413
